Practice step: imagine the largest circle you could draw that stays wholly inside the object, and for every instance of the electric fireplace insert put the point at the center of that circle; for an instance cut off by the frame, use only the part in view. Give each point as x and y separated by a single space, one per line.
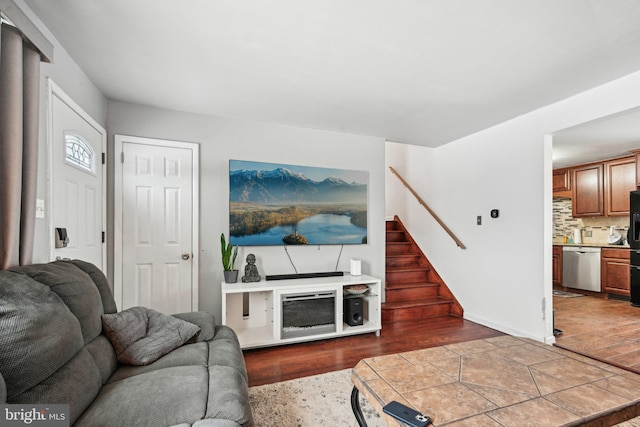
306 314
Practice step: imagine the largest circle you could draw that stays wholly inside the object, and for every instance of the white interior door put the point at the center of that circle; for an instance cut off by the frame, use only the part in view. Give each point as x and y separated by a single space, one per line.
158 194
77 200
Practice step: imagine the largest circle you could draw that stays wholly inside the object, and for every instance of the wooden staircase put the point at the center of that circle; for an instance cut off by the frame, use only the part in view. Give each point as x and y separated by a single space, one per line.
413 288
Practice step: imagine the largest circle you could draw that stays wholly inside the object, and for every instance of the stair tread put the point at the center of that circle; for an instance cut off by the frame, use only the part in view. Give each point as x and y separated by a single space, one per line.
404 285
394 265
407 255
415 303
407 269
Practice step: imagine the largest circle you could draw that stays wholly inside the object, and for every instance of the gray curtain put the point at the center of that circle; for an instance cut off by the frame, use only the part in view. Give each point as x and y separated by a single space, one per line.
19 105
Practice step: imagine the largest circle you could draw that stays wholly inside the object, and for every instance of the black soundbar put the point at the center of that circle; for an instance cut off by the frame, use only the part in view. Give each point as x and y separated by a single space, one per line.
303 275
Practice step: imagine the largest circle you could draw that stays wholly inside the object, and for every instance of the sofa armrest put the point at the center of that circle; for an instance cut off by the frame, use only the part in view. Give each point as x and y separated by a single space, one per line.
206 322
3 390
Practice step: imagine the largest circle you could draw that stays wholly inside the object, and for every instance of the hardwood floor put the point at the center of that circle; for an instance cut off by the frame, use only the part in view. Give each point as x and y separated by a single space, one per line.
274 364
603 329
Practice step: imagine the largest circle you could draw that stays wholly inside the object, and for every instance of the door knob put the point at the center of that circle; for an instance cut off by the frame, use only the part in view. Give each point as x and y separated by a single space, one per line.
185 256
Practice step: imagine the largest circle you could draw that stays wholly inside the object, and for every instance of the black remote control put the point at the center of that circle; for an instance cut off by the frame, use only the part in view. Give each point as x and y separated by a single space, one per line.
405 414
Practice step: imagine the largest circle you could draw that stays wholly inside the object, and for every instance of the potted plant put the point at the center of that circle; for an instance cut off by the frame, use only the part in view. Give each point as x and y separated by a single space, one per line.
229 254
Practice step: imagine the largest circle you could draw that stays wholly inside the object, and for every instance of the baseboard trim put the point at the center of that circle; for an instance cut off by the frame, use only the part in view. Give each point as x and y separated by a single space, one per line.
509 331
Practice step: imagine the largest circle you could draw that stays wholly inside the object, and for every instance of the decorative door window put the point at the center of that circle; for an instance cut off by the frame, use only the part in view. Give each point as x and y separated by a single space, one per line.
79 153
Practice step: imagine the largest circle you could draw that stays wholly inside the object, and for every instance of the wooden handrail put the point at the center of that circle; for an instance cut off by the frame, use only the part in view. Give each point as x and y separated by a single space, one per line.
433 214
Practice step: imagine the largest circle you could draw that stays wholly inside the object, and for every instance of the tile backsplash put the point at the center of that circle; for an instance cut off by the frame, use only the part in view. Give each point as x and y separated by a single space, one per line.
564 224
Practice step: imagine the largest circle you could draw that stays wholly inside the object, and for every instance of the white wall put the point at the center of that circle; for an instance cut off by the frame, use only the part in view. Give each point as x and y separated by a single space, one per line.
75 83
503 279
223 139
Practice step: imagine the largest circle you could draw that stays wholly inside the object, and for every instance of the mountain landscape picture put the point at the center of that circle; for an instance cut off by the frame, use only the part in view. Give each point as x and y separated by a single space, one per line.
277 204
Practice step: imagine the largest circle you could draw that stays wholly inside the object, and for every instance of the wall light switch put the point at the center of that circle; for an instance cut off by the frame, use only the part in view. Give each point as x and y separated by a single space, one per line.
479 220
39 208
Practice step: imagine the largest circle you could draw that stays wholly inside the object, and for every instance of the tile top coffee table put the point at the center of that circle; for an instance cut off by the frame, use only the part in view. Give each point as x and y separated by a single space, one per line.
502 381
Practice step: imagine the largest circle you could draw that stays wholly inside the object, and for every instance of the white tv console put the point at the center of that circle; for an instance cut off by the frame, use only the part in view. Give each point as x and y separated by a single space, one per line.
263 325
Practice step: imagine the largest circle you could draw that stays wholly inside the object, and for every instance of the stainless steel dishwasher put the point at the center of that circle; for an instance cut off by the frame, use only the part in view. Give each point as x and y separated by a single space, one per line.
581 268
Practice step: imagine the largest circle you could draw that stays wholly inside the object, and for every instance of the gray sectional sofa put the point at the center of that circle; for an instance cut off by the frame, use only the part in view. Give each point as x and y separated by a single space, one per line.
53 350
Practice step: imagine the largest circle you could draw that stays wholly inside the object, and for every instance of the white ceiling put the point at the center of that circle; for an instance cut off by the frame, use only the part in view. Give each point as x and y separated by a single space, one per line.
601 139
424 72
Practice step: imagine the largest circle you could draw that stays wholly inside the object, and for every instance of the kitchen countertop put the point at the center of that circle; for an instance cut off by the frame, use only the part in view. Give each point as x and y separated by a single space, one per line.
593 245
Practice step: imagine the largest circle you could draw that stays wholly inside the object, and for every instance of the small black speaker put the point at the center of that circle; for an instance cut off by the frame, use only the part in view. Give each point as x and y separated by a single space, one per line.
353 311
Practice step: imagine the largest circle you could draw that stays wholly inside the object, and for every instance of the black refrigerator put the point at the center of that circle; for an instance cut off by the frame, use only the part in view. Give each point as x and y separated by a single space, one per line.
633 237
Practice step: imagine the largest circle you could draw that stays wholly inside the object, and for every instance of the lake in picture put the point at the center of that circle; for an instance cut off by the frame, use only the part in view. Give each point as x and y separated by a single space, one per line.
318 229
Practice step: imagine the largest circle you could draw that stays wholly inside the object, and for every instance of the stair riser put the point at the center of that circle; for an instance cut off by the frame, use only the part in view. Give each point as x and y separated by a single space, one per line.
396 236
407 276
405 261
410 294
392 226
414 313
399 249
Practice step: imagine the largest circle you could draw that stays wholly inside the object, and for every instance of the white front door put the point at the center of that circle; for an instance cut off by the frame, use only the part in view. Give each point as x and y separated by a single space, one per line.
77 201
158 223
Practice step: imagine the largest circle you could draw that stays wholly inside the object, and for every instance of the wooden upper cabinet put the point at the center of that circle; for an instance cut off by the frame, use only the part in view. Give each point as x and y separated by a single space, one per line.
619 180
562 182
599 189
588 190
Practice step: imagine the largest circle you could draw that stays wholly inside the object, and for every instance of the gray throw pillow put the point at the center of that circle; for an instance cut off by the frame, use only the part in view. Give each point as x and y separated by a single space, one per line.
140 335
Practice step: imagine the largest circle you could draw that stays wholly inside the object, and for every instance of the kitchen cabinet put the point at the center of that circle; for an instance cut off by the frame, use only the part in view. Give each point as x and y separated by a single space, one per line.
588 190
557 265
602 189
619 180
562 182
614 270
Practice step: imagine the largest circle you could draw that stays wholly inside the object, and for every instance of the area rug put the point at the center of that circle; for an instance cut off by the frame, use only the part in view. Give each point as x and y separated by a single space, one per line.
565 294
319 400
